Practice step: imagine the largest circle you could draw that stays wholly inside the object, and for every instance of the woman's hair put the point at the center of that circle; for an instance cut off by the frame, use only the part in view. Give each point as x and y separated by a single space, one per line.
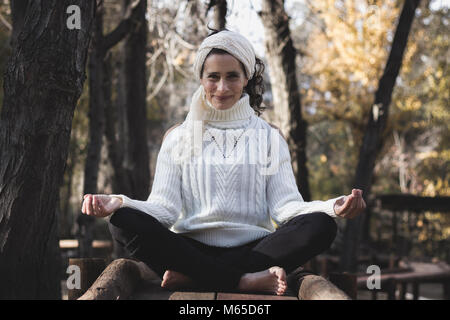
255 85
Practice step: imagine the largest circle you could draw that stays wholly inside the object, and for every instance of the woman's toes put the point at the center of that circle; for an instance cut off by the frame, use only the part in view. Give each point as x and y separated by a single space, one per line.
175 280
164 281
279 272
282 286
167 279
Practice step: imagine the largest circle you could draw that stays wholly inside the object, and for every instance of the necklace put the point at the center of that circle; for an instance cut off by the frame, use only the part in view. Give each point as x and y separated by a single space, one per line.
234 145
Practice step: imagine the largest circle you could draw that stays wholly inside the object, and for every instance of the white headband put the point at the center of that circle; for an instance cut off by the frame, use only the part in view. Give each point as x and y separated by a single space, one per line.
233 43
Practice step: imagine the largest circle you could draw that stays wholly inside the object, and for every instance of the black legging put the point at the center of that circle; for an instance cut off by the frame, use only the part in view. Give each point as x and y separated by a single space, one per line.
290 246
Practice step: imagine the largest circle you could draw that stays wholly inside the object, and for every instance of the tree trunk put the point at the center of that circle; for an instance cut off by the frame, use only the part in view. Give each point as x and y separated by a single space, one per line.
220 13
43 81
285 91
120 180
66 213
138 164
96 128
18 10
372 142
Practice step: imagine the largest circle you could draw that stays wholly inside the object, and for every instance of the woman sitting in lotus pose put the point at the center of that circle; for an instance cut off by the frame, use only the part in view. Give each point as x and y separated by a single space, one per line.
222 178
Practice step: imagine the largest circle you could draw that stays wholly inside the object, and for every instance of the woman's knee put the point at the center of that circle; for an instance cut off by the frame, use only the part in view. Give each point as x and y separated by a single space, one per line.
122 225
134 221
120 234
119 217
322 228
128 240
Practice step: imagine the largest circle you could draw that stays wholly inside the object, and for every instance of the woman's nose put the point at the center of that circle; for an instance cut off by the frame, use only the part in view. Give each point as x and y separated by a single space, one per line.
222 86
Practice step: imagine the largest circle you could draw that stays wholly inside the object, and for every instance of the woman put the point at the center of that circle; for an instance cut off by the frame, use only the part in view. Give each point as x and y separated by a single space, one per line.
209 218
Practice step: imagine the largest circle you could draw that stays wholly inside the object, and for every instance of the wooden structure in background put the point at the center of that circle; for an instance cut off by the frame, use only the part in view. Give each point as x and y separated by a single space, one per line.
415 274
412 203
407 217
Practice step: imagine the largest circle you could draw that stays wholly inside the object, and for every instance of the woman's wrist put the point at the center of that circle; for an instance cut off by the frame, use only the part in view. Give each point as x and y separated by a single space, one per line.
118 200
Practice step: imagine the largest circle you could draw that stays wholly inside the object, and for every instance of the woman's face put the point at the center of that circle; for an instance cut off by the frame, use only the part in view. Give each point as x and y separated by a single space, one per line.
223 79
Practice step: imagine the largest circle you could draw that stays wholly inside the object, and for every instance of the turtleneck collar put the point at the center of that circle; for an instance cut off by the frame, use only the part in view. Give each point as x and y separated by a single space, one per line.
241 110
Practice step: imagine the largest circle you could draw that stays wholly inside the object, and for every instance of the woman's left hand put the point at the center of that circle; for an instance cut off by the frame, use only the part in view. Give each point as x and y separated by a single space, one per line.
350 206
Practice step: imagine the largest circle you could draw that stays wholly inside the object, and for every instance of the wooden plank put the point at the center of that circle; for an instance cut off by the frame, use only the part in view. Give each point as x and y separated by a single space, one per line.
423 276
412 203
446 287
181 295
243 296
73 244
403 291
151 291
408 277
415 290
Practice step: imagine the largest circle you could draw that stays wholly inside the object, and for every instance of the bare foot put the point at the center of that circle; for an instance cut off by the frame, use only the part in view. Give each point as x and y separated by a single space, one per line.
175 280
272 280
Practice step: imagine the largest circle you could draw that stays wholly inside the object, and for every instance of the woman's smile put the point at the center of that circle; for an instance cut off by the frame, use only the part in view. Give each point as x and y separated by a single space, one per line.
220 98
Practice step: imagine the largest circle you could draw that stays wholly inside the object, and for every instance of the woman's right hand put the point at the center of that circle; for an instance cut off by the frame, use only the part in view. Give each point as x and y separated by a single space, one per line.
100 205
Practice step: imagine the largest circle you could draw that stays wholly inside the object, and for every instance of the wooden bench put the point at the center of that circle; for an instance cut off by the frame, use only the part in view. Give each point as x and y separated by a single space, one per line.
66 244
133 280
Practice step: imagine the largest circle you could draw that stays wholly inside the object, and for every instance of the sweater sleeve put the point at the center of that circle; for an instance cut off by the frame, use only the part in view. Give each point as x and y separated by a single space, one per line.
284 200
164 202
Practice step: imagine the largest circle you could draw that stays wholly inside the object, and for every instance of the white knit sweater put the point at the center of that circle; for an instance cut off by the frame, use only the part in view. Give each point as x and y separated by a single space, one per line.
232 201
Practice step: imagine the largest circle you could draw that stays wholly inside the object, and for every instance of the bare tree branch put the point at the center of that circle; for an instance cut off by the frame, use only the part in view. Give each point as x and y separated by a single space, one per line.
124 27
5 22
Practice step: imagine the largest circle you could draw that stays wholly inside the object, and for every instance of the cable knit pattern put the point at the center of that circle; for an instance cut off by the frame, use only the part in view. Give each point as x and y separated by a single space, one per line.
233 201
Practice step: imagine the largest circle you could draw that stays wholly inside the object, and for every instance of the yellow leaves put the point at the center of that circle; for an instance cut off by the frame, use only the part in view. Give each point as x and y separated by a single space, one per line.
419 124
347 55
443 155
440 187
439 112
425 155
422 236
411 103
428 71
